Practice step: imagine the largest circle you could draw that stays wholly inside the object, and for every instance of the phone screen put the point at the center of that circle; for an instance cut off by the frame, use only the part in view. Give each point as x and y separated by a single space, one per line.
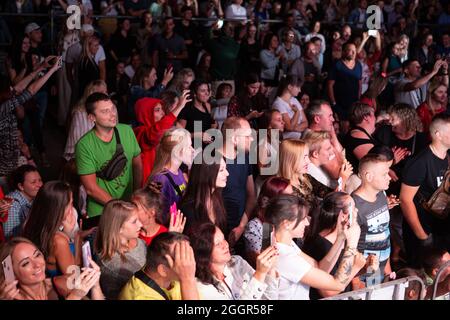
267 236
220 23
350 214
86 252
8 269
173 211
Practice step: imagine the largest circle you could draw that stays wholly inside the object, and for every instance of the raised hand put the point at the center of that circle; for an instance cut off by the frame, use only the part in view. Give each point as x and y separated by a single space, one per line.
184 99
177 222
9 291
183 262
168 75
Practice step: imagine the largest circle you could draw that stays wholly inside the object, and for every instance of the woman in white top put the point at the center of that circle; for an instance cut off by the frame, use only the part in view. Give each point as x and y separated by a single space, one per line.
298 271
80 124
236 11
315 27
286 102
221 276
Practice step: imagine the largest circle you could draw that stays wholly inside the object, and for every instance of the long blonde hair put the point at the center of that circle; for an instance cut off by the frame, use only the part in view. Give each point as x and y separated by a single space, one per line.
85 54
172 138
292 152
115 214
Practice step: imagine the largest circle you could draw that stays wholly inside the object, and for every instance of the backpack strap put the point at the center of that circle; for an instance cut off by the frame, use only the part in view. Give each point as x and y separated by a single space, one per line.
174 185
116 132
151 283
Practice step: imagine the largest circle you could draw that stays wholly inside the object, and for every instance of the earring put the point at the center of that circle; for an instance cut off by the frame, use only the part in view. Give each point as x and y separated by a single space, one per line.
61 228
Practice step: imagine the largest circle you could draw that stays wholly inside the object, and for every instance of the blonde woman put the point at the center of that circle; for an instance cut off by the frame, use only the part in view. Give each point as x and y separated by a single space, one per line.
80 124
182 81
120 251
88 69
174 149
294 162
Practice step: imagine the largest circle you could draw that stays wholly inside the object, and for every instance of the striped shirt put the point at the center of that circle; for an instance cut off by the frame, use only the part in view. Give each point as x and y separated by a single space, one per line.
17 214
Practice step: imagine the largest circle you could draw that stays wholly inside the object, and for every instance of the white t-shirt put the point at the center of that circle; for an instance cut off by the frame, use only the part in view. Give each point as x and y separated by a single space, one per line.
292 268
282 106
235 11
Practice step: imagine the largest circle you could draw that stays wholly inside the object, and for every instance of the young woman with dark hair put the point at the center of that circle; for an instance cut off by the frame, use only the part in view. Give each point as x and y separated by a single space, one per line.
253 234
297 270
28 264
270 57
292 111
52 226
221 276
25 182
202 201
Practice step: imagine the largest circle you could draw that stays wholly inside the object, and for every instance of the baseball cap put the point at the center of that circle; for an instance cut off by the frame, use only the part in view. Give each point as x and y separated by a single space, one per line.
31 27
87 28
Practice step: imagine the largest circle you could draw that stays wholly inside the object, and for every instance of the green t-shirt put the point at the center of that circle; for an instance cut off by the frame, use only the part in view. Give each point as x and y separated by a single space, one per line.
92 154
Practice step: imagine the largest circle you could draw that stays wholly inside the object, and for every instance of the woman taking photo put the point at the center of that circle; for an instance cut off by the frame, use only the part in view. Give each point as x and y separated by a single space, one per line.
328 234
202 201
297 270
25 182
221 276
28 265
174 149
198 110
292 111
52 226
120 251
253 234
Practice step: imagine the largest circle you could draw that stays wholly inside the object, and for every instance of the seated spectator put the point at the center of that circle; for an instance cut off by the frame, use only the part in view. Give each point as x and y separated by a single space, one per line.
294 118
421 177
153 122
120 251
202 201
328 234
25 183
135 63
31 282
435 103
52 225
143 85
222 276
434 261
148 201
253 234
169 272
297 270
79 120
5 205
373 218
174 150
236 11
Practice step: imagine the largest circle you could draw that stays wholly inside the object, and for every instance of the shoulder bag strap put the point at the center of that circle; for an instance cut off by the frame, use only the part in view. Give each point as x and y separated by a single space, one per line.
151 283
116 132
172 182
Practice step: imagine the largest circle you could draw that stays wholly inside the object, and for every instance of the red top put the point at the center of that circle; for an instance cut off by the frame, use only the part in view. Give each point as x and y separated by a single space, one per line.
149 133
425 115
149 240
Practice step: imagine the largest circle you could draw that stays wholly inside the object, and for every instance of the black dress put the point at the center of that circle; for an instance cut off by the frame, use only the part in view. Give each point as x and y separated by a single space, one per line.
351 143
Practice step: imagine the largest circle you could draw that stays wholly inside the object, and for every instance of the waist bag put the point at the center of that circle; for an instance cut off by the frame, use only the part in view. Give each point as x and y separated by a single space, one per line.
116 164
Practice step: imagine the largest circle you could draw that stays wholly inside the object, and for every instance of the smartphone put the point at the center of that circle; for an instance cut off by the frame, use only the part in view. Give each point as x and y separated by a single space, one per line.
169 66
219 23
350 214
86 253
267 236
8 270
173 211
373 33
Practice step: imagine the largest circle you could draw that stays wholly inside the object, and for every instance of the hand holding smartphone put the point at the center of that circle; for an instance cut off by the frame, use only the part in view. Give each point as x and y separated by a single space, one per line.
267 236
8 270
86 253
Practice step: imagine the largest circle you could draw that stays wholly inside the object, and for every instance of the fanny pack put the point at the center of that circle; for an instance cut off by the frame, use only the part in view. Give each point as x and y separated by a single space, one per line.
116 164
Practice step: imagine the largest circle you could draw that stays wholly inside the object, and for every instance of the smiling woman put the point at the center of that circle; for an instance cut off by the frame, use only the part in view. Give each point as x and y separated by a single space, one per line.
28 268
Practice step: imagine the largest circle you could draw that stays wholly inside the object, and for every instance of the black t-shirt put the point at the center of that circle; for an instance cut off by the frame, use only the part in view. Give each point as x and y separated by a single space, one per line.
426 171
415 144
190 113
235 192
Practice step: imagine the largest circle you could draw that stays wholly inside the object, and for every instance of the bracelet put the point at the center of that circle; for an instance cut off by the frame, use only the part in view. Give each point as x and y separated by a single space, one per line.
353 251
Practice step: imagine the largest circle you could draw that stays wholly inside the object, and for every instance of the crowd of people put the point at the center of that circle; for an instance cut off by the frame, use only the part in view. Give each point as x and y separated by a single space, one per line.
271 150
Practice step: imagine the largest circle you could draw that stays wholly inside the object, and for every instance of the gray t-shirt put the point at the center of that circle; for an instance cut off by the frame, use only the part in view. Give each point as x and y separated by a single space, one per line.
373 218
413 97
116 272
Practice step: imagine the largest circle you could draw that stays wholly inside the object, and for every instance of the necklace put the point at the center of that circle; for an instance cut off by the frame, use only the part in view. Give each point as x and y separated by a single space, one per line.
42 295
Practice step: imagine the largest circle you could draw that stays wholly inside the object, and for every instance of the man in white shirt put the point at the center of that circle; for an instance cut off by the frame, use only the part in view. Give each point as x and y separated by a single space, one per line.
411 88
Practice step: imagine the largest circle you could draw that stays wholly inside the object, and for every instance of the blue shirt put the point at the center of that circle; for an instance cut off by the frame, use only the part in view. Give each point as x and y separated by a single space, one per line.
17 214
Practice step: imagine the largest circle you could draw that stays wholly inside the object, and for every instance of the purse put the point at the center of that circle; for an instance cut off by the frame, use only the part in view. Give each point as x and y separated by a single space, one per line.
116 164
439 203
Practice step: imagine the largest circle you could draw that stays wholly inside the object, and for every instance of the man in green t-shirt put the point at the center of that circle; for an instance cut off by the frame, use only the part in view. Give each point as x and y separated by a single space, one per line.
95 149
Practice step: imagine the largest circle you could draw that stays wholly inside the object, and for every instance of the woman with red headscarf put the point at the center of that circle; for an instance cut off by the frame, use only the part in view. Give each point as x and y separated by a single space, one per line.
153 122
